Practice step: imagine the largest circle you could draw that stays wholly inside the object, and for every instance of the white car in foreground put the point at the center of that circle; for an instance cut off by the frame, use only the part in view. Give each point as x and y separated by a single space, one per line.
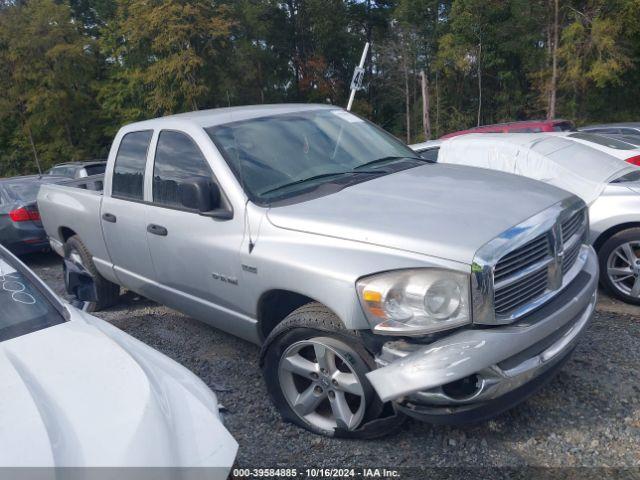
77 392
609 185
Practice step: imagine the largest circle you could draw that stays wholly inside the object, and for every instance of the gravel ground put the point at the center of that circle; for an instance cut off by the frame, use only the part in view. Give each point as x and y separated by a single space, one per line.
589 415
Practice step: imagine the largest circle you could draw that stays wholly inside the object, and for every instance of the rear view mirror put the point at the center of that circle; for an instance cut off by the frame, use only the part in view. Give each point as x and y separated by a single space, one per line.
199 194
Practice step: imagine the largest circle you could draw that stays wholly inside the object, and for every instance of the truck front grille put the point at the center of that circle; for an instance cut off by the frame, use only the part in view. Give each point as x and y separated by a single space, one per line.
527 273
520 292
571 225
523 257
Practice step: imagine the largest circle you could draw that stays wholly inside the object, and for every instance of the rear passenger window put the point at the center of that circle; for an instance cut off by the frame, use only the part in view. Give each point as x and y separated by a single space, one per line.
178 160
128 172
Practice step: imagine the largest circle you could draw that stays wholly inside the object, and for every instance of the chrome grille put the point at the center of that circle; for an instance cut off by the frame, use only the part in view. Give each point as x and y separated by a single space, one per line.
571 225
570 256
523 257
527 273
520 292
571 230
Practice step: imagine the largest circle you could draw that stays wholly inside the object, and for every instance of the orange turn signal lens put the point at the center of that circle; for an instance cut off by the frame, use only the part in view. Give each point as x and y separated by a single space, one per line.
373 301
372 296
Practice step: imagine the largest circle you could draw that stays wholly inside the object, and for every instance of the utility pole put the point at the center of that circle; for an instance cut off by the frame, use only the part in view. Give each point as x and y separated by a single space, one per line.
358 75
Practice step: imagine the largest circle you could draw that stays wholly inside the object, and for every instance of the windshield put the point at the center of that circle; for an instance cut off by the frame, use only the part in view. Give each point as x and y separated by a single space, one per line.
96 169
23 308
602 140
563 127
286 154
628 177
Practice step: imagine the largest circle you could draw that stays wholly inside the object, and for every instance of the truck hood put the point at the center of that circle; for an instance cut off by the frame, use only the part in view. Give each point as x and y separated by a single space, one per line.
84 393
448 211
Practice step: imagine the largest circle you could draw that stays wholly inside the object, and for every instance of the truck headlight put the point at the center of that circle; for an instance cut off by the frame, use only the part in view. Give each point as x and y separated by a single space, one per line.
415 302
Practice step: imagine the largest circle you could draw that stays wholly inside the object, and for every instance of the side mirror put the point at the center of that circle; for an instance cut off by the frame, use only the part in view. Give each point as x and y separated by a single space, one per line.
199 194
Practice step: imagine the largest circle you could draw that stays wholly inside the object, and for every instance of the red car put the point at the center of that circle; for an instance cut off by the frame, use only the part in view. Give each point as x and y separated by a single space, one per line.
526 126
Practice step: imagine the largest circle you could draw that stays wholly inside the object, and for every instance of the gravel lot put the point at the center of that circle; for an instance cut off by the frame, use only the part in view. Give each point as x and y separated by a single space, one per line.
589 415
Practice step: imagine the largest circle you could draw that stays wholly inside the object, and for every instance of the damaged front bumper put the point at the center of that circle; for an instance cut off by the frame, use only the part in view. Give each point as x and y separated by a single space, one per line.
477 372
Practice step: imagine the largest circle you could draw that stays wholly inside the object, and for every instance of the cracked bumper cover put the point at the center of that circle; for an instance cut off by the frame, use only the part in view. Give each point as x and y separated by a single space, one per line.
505 357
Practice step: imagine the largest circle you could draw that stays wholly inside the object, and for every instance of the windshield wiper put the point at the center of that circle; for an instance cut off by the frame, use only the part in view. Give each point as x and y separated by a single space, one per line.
317 177
305 180
385 160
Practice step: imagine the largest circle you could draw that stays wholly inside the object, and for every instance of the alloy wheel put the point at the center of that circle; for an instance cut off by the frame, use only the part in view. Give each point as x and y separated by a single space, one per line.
623 268
321 386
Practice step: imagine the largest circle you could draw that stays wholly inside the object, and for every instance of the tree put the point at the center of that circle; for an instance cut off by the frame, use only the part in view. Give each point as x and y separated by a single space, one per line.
159 51
47 66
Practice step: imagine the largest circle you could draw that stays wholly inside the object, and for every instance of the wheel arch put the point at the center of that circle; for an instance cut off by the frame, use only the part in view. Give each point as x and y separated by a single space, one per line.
65 233
274 306
611 231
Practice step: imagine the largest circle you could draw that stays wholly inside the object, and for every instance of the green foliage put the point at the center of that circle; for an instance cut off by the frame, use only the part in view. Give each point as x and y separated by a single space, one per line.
47 103
73 71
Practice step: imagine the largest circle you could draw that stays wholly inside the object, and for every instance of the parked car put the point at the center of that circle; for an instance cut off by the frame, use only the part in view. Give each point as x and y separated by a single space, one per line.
373 279
78 169
608 185
21 230
526 126
78 392
623 128
615 147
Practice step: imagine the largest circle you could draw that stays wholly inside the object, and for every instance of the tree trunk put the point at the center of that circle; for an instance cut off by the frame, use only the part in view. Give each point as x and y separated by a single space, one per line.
426 121
437 107
551 112
479 82
407 99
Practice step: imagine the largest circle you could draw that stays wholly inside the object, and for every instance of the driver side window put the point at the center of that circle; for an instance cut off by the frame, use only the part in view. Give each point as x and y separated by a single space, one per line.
178 160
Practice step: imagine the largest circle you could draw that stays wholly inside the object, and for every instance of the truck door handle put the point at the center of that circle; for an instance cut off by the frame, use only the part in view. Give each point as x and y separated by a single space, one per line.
108 217
157 230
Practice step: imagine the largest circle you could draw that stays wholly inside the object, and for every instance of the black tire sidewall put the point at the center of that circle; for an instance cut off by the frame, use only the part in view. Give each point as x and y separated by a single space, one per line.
104 288
604 252
353 353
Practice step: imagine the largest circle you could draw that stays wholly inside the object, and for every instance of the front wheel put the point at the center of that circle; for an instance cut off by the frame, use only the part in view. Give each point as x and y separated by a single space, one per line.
619 259
315 373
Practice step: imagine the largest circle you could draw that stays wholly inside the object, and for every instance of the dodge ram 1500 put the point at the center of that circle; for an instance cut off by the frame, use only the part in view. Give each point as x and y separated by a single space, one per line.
378 283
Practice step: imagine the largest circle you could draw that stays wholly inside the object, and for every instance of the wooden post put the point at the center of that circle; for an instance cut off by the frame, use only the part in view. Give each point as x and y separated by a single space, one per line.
426 121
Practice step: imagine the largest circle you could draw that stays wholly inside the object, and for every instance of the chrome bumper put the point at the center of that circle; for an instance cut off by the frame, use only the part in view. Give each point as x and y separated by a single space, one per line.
501 359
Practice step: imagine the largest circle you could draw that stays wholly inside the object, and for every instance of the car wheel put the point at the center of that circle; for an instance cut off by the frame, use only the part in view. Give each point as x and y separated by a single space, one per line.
619 259
315 373
108 293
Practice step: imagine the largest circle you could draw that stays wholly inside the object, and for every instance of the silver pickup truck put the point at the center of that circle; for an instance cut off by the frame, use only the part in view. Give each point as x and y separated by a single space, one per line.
378 284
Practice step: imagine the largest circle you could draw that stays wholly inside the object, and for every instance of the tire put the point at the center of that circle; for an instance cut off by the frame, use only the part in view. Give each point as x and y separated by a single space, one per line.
108 293
299 335
618 254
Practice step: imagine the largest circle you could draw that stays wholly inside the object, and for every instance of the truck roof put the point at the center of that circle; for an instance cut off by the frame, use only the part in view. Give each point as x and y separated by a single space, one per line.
217 116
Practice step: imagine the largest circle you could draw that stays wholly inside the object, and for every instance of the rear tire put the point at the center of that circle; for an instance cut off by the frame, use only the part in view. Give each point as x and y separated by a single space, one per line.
310 357
108 292
619 261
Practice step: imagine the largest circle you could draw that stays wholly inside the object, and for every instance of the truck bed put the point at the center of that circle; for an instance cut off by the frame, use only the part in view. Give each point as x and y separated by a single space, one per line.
93 183
73 207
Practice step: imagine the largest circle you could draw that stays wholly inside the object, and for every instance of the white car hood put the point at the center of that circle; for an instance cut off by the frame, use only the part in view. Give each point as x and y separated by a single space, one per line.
570 165
84 393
